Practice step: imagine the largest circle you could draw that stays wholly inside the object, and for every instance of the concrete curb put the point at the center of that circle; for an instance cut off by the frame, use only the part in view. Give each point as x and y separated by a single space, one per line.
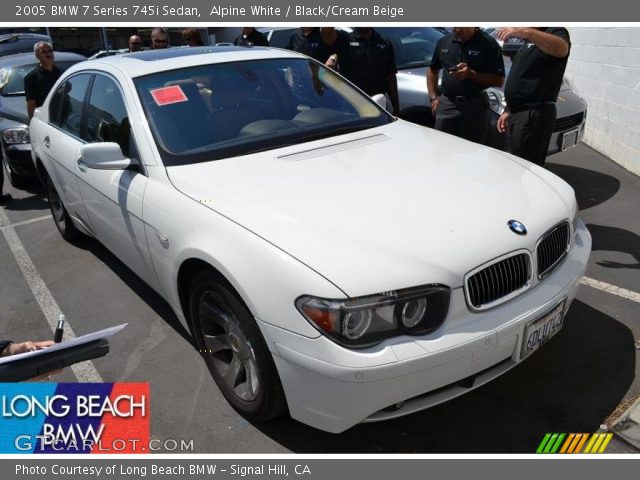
627 427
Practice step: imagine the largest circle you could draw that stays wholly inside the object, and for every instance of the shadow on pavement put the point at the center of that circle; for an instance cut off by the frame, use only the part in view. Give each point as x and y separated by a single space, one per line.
36 201
570 385
615 240
140 288
592 188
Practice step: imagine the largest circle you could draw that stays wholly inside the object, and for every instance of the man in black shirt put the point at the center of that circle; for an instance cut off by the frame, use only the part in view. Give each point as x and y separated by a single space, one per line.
250 37
368 61
308 40
39 81
532 89
472 61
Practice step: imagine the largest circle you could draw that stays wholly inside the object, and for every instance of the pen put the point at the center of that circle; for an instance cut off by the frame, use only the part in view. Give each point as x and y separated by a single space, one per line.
59 330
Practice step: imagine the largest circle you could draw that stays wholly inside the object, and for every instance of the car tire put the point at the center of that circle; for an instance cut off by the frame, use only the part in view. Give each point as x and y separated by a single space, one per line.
16 181
234 349
60 215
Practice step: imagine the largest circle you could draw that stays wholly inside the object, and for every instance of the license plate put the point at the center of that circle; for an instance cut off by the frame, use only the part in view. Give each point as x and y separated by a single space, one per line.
540 330
570 139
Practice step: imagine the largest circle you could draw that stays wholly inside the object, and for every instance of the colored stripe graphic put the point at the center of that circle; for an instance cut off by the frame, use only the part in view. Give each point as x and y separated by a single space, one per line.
567 443
574 443
543 443
605 442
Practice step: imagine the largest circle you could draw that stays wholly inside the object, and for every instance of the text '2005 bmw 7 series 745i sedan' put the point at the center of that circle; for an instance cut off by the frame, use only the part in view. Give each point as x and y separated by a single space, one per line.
329 259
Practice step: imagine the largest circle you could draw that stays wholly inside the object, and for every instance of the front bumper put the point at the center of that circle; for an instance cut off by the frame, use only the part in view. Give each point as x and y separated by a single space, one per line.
18 157
333 388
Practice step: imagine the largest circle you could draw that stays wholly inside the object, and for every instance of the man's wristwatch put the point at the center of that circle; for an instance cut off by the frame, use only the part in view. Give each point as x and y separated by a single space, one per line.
433 98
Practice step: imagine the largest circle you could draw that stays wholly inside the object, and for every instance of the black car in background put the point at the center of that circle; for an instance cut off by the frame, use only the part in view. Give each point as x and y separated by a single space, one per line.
11 43
14 120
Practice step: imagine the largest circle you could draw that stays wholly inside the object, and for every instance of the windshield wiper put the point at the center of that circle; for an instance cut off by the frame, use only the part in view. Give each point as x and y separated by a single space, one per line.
13 94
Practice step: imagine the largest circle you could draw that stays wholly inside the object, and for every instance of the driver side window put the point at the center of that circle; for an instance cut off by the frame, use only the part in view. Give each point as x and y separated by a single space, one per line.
67 103
107 118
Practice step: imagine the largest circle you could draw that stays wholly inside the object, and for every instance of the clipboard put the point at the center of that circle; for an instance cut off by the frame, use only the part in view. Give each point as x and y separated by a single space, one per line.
24 366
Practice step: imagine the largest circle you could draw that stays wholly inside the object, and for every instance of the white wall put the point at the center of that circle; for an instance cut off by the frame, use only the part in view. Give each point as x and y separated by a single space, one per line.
604 68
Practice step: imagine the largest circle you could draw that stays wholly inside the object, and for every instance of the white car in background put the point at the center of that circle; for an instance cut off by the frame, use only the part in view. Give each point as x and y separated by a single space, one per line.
327 258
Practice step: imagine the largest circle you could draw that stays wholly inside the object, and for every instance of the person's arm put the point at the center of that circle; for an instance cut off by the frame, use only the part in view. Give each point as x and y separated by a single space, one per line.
551 44
484 79
31 107
432 88
392 81
29 94
392 89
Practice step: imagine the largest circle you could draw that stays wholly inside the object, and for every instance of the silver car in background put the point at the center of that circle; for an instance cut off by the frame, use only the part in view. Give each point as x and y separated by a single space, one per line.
414 47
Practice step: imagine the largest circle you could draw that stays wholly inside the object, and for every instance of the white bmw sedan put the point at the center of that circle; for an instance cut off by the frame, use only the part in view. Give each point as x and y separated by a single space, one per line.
327 257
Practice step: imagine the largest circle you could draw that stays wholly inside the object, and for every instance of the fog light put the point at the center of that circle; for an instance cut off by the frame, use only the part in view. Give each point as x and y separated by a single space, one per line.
356 323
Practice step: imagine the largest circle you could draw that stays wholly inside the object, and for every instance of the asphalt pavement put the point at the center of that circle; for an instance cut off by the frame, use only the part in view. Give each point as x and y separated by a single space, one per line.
584 378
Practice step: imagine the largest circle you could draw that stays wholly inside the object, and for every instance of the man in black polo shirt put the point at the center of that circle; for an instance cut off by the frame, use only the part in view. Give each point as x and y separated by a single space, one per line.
308 40
39 81
472 61
250 37
367 59
532 89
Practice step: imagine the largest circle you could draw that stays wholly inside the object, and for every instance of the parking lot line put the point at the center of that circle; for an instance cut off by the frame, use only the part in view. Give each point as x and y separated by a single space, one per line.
614 290
85 371
25 222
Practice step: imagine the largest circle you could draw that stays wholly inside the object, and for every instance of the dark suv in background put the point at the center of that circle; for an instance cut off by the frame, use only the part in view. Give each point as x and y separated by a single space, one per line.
11 43
14 120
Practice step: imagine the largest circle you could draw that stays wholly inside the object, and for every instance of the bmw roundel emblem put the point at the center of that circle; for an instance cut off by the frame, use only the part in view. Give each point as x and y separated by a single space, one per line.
517 227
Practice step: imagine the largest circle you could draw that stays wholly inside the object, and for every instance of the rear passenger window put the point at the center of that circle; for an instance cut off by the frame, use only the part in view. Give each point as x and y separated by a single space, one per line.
66 105
107 119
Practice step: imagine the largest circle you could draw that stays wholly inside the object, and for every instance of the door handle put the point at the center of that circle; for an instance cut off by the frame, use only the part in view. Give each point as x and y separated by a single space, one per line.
47 141
81 165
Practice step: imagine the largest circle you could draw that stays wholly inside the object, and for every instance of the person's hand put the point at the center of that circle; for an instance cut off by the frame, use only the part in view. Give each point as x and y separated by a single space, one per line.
507 32
15 348
503 122
463 72
332 62
434 105
24 347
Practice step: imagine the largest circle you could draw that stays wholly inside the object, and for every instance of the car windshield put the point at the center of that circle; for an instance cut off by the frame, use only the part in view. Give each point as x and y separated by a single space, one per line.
12 78
222 110
413 46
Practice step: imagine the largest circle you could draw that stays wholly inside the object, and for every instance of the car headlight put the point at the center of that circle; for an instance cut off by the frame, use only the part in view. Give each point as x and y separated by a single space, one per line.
365 321
496 101
16 135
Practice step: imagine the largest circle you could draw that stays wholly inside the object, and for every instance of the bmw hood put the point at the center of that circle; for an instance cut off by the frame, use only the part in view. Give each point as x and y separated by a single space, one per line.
386 208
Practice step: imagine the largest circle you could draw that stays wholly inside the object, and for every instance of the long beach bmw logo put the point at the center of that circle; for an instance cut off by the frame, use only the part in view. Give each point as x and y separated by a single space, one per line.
517 228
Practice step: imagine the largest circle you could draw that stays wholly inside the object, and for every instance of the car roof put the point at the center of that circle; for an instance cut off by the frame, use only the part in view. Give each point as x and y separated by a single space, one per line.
152 61
29 57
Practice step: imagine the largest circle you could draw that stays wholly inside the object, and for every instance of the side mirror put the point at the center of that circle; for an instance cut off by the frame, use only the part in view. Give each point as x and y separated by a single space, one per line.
104 156
380 99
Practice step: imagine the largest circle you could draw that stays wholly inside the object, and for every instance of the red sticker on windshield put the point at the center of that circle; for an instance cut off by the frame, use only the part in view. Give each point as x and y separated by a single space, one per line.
168 95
